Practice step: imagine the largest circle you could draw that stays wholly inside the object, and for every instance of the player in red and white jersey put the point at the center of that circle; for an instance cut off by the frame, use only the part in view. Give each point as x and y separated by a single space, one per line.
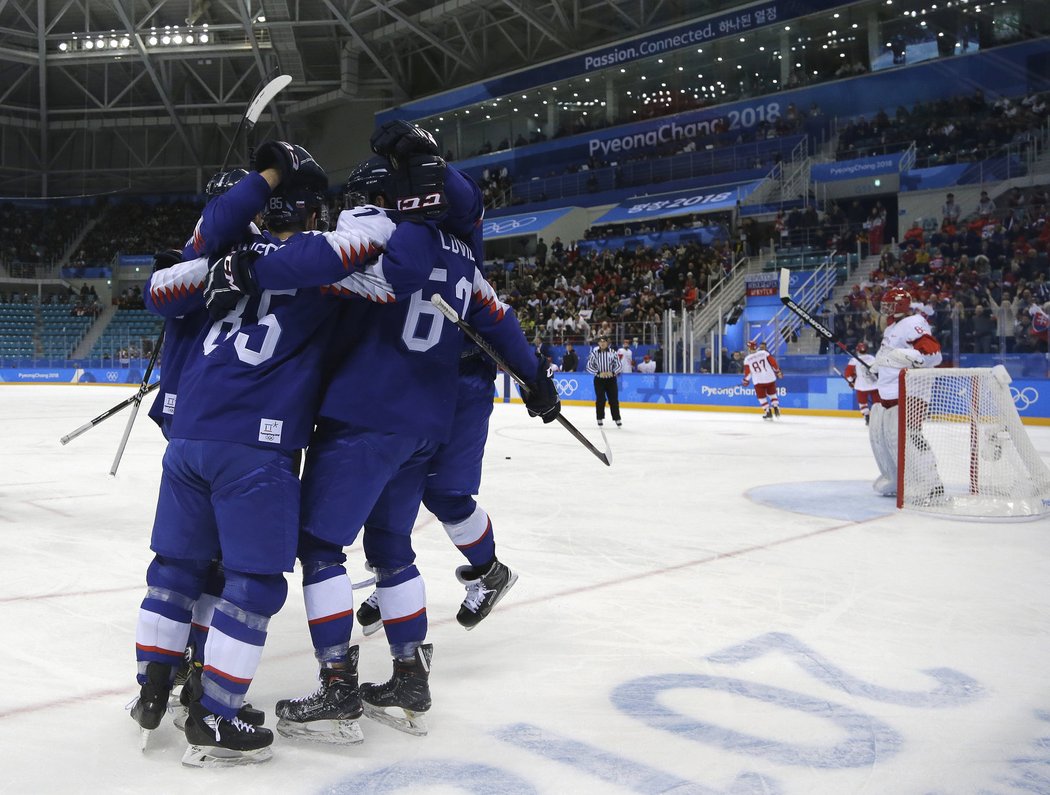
762 368
907 342
863 380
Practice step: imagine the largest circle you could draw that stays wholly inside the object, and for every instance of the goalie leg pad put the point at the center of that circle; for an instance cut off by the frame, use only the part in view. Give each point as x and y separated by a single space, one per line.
882 433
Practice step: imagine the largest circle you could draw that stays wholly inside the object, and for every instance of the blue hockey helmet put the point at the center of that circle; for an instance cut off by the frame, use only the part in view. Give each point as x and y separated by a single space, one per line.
289 209
368 180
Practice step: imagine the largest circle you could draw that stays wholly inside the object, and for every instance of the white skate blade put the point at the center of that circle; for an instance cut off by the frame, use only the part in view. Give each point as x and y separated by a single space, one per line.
179 714
213 756
371 629
331 732
510 584
409 722
144 738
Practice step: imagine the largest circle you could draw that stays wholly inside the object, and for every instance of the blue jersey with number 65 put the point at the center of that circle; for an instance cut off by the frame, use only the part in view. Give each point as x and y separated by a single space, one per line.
255 378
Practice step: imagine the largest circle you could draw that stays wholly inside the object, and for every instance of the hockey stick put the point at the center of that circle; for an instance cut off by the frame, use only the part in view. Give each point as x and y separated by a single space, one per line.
137 400
838 372
262 97
105 415
816 325
258 103
451 314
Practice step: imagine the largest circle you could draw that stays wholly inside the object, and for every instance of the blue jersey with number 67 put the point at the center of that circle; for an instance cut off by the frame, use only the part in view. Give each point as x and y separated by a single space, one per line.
396 366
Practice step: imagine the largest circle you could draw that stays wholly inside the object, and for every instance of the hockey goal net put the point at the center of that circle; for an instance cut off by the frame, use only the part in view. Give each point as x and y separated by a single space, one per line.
962 450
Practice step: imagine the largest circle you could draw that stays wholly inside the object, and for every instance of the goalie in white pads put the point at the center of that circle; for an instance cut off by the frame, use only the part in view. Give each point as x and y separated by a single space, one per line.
907 342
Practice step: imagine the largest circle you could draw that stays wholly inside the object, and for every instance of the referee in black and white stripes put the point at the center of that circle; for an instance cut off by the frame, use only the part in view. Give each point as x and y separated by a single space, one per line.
605 365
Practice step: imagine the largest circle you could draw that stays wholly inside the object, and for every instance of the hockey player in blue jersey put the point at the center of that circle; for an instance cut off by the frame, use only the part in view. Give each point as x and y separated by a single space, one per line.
246 402
387 408
455 469
157 672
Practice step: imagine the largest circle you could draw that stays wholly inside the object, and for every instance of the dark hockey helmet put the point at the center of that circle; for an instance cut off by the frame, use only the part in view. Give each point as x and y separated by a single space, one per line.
369 179
303 193
223 181
289 209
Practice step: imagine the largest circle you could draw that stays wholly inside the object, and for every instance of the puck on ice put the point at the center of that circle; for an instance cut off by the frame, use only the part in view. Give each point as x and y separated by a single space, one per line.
508 458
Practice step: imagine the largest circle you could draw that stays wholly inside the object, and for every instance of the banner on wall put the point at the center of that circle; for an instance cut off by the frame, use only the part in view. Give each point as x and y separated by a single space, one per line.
767 284
856 169
524 224
687 202
75 375
804 392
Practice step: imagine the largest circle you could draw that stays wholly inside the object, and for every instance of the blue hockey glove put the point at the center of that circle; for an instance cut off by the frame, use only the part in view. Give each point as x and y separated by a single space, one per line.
230 278
399 140
165 259
543 398
419 187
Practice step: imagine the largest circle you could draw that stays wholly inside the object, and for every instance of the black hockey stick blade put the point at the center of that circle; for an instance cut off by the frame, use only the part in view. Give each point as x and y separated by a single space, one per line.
105 415
816 325
451 314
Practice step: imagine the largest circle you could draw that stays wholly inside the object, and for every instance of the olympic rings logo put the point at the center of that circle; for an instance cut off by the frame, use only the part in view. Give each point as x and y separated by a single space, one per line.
497 226
566 388
111 375
1024 398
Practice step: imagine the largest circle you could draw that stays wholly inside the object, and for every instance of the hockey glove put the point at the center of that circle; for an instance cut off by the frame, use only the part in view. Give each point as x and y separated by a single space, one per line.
902 358
297 167
419 185
542 400
399 140
230 278
165 259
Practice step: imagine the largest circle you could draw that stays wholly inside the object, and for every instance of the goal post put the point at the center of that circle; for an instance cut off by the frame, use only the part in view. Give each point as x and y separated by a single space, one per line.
962 450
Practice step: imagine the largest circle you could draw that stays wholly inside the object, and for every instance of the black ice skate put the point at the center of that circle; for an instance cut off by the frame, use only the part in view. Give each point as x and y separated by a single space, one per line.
149 708
408 690
776 412
767 415
368 617
192 690
215 741
330 713
484 591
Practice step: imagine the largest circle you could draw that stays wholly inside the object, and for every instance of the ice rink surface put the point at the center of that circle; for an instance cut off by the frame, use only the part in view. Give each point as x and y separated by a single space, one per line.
727 609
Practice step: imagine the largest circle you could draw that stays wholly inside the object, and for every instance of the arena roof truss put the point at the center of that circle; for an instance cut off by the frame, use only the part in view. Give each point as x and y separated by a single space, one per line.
104 96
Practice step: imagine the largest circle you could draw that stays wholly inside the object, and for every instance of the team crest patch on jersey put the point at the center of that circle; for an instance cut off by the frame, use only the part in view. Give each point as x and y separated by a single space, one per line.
270 430
169 403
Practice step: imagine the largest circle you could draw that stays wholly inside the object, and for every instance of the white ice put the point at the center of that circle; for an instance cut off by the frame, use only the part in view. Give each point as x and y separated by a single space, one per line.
675 627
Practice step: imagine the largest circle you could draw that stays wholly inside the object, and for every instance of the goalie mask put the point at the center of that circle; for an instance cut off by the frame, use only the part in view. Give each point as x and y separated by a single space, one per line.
896 302
223 181
368 183
290 210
